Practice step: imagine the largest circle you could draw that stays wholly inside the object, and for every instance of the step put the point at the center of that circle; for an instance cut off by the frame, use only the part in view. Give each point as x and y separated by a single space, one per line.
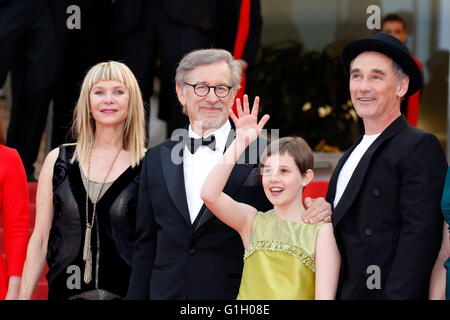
32 187
41 291
316 189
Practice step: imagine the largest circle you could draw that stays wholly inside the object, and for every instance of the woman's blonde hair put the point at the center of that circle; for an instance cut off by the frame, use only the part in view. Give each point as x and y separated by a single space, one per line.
83 127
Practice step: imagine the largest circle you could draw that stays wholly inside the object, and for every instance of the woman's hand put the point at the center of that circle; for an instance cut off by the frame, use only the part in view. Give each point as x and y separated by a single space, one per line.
247 126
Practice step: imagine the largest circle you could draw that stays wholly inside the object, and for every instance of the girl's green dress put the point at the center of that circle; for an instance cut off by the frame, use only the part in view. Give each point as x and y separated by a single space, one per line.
279 261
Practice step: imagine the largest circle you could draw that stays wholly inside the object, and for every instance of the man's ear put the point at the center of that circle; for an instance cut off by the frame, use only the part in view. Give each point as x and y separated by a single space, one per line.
180 94
403 87
307 177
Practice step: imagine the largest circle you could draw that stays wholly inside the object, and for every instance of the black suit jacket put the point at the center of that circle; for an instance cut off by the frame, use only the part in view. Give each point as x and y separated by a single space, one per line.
174 259
389 215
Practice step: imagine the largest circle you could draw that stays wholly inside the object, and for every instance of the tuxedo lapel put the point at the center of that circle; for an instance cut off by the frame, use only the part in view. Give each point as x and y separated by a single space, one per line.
355 183
174 177
230 137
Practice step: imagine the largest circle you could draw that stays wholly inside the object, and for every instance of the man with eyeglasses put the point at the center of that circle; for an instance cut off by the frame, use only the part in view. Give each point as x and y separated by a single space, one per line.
182 251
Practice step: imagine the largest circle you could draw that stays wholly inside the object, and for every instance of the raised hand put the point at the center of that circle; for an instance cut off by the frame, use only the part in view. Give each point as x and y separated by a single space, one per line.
247 126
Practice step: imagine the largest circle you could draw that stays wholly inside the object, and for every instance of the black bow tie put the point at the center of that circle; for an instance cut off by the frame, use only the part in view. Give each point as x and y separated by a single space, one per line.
193 144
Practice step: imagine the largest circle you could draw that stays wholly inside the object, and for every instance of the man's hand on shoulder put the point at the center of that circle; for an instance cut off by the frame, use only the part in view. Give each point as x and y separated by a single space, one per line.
316 210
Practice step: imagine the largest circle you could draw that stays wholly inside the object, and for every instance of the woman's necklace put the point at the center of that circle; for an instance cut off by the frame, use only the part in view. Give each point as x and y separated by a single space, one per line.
87 251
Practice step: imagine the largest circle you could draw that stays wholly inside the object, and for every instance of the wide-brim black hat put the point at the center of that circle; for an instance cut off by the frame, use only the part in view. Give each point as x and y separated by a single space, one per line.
391 47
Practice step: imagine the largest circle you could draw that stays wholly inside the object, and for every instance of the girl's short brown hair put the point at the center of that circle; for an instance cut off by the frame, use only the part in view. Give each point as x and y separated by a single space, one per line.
296 147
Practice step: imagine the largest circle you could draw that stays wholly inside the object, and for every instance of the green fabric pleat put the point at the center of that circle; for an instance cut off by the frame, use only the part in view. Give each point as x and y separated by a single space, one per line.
279 260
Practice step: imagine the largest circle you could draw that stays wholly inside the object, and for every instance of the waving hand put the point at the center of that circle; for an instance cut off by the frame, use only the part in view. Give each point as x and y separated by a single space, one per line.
247 126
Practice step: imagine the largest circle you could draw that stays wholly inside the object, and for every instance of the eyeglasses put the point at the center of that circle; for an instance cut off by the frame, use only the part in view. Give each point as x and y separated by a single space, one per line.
202 90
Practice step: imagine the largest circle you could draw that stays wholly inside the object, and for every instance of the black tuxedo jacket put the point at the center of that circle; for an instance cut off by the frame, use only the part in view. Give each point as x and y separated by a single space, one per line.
174 258
389 215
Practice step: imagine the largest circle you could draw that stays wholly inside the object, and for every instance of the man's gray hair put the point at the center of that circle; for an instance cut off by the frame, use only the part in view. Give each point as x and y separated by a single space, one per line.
399 73
205 57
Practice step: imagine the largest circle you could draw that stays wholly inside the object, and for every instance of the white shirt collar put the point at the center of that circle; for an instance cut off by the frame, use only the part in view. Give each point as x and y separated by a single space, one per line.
197 166
220 134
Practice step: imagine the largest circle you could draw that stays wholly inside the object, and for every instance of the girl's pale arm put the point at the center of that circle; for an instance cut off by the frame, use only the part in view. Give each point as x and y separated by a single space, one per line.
328 263
235 214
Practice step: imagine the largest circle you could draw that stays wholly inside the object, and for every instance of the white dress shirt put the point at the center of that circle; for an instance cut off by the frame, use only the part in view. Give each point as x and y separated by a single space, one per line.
350 165
197 166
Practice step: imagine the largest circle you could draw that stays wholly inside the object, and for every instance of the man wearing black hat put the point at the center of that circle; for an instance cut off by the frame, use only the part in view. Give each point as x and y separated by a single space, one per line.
386 190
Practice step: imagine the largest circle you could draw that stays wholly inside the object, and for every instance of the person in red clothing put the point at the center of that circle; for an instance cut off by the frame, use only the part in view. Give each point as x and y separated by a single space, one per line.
237 28
394 25
14 213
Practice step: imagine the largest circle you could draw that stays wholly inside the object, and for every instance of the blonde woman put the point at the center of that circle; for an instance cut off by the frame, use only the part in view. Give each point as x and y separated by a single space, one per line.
87 194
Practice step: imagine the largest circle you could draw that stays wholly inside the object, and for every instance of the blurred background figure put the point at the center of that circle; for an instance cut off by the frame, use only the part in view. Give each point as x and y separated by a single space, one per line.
237 27
82 48
395 25
148 32
145 31
30 48
14 220
48 59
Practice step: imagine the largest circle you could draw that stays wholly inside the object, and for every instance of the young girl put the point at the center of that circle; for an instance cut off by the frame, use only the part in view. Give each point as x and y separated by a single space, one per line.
284 258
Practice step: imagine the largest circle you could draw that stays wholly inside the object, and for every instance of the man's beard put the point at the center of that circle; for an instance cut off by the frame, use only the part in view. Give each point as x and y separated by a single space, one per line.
214 123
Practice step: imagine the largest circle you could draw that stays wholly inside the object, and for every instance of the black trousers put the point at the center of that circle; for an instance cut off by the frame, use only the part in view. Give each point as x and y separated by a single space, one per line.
157 35
29 48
